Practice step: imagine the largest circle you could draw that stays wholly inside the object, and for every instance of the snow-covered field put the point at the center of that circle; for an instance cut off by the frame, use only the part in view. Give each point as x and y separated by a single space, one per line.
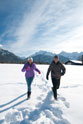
41 108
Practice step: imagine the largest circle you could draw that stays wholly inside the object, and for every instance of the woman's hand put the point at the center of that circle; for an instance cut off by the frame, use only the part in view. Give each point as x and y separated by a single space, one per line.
39 72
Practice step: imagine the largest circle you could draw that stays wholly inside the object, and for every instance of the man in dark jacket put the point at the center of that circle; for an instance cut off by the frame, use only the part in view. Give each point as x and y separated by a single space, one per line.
57 70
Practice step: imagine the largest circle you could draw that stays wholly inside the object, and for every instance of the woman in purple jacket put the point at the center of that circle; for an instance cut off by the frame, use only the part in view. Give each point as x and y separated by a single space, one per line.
29 69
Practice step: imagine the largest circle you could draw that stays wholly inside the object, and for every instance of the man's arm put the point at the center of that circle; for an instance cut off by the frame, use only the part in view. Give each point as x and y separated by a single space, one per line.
63 69
49 69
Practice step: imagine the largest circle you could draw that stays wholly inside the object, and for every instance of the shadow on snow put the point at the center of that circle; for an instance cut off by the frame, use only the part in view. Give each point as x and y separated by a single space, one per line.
49 111
1 106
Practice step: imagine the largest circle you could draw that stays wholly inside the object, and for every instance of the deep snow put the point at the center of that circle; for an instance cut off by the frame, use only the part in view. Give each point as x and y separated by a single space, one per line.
41 108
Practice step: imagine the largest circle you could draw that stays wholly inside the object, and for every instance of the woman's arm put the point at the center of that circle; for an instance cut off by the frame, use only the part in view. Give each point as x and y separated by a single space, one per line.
24 68
36 69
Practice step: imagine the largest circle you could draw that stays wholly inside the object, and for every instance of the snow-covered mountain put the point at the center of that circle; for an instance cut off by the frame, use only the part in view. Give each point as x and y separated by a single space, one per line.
9 57
63 56
47 57
41 52
73 55
39 57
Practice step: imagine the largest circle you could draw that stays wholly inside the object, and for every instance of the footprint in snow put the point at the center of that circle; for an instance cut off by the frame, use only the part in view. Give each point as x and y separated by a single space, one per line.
64 101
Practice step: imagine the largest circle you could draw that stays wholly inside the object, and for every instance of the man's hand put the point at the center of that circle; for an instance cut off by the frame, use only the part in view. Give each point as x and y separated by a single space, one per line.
62 73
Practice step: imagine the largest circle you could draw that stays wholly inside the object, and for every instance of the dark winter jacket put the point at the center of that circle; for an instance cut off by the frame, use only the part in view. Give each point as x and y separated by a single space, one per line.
57 70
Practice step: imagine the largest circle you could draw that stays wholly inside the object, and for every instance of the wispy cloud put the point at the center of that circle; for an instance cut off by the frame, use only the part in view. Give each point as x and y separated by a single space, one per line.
73 41
47 24
1 45
27 28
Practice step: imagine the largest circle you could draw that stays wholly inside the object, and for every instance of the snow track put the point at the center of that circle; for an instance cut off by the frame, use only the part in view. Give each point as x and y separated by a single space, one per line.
41 108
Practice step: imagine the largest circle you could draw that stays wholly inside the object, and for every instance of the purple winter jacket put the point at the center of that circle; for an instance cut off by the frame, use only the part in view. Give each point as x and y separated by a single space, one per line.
30 71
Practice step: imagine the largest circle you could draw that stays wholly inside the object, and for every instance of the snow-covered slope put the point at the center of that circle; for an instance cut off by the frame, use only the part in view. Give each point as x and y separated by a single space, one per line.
41 108
47 57
9 57
73 55
41 52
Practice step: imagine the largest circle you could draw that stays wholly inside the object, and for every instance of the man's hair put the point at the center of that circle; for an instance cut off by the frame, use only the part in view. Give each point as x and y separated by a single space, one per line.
56 56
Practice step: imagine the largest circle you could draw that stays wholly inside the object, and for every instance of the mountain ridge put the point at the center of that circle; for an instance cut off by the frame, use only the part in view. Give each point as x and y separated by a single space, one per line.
41 56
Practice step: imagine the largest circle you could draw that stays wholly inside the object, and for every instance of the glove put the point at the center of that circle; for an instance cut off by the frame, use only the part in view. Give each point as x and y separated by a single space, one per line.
39 72
28 68
62 73
47 77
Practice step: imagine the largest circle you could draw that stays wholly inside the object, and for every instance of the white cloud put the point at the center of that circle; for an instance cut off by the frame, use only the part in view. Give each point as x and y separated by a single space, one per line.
1 45
28 26
73 42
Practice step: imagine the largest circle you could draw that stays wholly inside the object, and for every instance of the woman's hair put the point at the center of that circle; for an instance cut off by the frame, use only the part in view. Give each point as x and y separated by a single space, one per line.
30 58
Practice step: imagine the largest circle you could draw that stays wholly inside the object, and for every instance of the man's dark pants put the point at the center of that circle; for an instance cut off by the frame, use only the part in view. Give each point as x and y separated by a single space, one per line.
56 84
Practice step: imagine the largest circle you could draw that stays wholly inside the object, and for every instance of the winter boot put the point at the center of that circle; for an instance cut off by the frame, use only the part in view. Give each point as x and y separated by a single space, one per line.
28 95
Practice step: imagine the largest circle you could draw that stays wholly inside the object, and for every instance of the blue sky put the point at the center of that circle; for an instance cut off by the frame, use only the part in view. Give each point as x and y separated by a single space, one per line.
27 26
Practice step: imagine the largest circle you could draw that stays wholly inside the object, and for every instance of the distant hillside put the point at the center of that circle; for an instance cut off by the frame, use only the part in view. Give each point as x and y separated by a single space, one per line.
42 57
8 57
47 57
73 55
41 52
